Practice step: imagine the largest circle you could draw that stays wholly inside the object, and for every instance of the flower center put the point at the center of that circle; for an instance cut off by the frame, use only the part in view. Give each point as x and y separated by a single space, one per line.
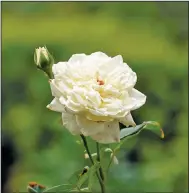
100 82
98 79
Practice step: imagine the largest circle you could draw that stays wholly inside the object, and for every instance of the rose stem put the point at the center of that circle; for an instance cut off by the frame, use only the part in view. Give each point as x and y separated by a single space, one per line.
88 152
50 74
98 159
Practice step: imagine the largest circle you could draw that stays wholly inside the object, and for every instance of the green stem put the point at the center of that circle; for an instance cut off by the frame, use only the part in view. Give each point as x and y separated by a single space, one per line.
88 152
98 159
49 73
87 149
56 187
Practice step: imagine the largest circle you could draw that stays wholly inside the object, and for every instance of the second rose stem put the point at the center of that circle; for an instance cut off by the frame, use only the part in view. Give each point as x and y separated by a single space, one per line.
98 159
101 181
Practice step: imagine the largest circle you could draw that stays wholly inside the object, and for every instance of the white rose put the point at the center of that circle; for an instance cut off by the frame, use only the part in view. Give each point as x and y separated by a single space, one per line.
94 93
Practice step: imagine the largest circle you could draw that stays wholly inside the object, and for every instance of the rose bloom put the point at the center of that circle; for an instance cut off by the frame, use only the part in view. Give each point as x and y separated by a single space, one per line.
94 93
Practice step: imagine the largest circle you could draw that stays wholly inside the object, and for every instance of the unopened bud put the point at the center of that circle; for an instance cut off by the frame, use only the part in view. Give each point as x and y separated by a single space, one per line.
85 170
86 155
108 150
115 160
33 187
85 189
44 60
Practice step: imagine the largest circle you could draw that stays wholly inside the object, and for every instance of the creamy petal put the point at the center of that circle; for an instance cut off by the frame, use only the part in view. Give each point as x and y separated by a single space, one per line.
93 117
98 112
94 97
99 55
110 65
77 58
69 122
130 78
88 127
73 107
56 92
138 98
110 134
121 114
122 76
64 85
127 120
59 67
77 95
55 105
95 60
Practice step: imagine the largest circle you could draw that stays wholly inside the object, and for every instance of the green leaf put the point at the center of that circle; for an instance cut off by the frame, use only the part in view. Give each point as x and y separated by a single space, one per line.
92 172
62 187
131 131
74 177
89 175
102 152
150 125
82 179
154 127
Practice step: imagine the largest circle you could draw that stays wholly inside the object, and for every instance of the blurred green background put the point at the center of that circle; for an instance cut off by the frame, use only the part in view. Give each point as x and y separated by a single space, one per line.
152 37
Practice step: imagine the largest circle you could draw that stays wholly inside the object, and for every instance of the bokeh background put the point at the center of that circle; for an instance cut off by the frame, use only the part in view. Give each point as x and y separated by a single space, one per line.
152 37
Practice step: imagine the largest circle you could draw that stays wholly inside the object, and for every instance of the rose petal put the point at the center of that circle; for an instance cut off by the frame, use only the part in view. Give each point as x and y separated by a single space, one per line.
122 75
110 134
95 59
127 120
89 127
99 55
59 67
55 105
54 89
64 84
77 58
69 122
110 65
138 98
73 107
93 117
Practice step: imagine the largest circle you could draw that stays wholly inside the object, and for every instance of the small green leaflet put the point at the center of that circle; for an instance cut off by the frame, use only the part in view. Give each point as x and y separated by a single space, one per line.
74 177
92 173
88 176
78 179
150 125
82 179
